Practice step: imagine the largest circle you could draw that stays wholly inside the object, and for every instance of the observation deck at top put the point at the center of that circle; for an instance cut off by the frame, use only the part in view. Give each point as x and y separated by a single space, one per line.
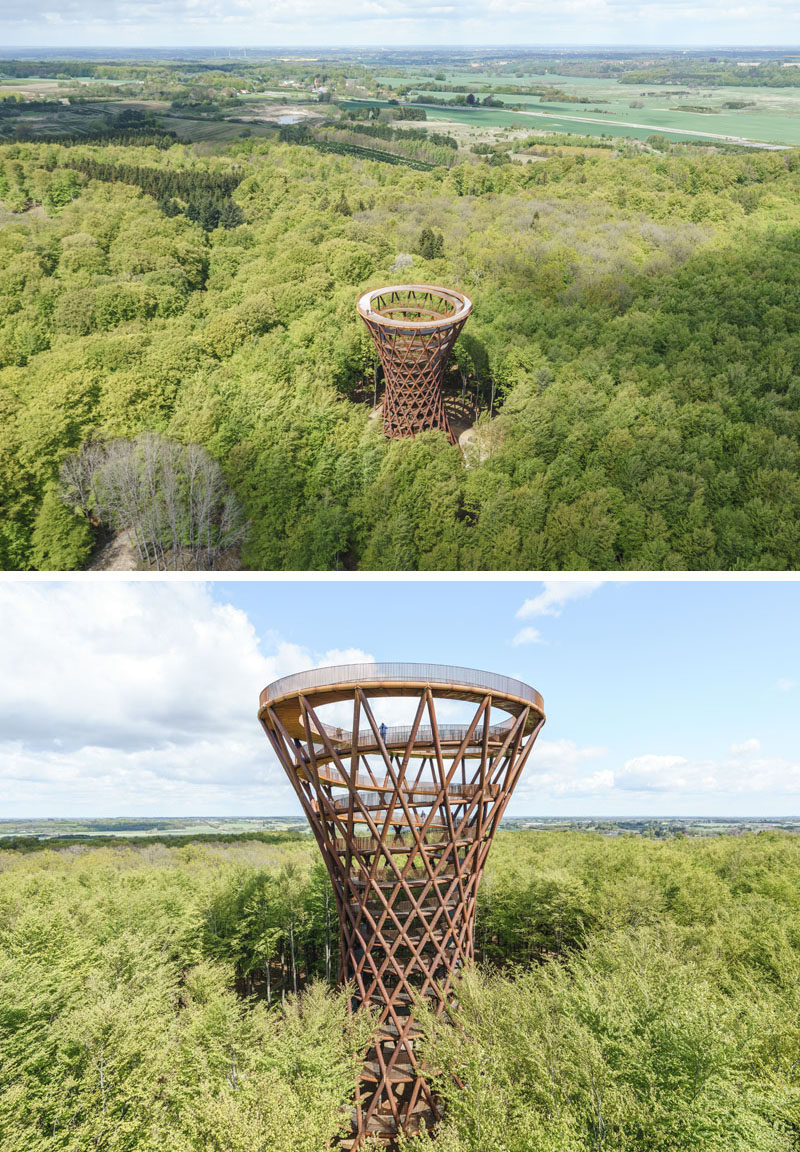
320 686
414 309
414 327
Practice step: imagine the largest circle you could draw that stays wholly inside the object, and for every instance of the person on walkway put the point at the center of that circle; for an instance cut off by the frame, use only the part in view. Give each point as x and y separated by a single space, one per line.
382 731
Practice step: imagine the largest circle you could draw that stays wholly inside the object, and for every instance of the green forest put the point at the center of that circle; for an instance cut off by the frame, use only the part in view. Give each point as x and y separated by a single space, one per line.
629 994
633 351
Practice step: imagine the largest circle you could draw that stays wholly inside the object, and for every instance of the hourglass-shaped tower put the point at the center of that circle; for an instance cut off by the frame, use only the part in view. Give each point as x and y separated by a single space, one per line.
404 818
414 327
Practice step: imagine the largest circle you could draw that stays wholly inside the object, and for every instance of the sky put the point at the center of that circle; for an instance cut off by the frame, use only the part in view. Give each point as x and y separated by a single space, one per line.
394 23
137 697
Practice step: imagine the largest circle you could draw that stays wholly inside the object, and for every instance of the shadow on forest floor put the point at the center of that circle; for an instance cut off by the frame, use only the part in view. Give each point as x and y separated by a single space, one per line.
118 553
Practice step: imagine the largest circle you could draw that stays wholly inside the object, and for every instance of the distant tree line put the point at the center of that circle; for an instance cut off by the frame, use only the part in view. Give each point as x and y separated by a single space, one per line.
159 182
712 72
28 844
468 101
392 110
301 134
130 128
13 104
385 132
161 140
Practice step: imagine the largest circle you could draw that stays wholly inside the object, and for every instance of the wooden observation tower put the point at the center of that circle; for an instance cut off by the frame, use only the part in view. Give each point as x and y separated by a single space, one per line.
404 818
414 327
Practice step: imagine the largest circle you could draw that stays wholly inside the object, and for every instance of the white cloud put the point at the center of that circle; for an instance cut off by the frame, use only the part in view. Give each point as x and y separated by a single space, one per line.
137 697
527 636
212 18
560 756
745 748
595 784
742 773
651 773
141 698
556 594
302 23
558 768
785 685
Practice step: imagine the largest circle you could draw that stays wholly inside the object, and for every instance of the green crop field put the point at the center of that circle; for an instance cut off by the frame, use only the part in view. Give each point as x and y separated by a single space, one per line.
636 123
772 117
121 827
500 118
576 121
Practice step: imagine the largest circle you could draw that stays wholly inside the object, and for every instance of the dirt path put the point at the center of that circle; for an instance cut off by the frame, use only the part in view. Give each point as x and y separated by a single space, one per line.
119 555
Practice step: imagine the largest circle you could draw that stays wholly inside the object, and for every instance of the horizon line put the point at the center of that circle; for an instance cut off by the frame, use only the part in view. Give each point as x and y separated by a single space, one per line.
554 46
300 819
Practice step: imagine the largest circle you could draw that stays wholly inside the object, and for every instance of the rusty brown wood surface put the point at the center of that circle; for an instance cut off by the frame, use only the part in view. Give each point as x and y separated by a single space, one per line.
414 327
404 827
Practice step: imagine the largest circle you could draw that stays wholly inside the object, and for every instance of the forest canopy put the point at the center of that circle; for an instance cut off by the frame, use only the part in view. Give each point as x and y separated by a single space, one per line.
633 350
630 994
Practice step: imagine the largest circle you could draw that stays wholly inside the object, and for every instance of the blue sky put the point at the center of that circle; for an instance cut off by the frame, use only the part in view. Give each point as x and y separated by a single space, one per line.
391 23
137 697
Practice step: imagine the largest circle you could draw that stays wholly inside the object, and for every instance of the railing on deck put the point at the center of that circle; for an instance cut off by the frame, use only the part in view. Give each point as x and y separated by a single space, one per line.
366 674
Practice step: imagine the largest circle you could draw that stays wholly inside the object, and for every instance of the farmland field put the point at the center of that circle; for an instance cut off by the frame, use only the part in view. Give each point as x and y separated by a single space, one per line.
210 130
579 120
675 126
772 115
46 830
535 121
596 107
80 119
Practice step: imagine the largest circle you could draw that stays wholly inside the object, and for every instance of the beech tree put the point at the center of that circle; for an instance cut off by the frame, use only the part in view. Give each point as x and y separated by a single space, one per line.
629 993
61 538
172 499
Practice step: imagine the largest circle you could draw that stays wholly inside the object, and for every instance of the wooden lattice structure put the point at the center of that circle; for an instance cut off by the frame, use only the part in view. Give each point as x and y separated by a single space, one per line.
404 818
414 327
